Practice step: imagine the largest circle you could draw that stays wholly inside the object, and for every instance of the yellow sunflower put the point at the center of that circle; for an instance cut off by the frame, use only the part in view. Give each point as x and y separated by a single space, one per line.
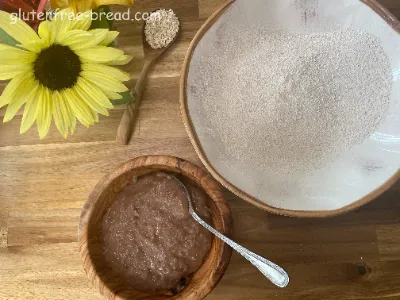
64 72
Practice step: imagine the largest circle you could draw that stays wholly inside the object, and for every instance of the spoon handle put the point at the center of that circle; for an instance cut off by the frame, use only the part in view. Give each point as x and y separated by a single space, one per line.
273 272
128 121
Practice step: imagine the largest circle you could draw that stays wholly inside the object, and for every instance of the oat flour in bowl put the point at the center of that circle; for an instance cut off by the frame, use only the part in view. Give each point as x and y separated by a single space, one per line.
291 107
291 103
295 102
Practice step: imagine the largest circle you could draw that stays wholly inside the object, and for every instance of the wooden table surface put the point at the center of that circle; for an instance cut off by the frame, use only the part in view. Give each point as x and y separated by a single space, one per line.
45 183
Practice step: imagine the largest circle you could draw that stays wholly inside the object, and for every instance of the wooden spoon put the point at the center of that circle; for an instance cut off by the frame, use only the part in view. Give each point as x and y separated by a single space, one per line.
126 127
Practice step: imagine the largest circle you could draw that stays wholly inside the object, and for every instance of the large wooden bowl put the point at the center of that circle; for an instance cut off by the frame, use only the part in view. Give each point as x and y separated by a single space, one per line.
351 195
110 284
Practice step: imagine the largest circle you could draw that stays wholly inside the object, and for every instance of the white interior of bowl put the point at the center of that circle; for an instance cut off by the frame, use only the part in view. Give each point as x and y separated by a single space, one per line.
354 174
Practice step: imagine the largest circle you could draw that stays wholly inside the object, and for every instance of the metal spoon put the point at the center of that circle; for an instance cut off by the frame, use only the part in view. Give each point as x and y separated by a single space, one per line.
273 272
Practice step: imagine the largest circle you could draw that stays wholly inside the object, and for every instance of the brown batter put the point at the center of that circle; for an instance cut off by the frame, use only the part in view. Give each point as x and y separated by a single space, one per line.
149 237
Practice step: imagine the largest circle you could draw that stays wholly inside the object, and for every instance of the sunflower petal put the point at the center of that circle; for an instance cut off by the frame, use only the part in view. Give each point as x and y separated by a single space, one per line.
93 38
45 32
61 114
13 87
74 38
67 111
73 125
111 95
7 47
82 21
93 97
99 54
27 91
30 111
17 28
110 71
10 71
45 112
99 35
110 37
35 46
79 108
95 116
104 81
61 23
120 61
12 56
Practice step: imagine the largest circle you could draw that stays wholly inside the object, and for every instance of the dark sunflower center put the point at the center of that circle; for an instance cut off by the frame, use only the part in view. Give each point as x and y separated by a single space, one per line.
57 67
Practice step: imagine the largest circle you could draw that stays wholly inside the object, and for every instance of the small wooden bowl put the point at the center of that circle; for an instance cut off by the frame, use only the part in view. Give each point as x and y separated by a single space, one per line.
110 285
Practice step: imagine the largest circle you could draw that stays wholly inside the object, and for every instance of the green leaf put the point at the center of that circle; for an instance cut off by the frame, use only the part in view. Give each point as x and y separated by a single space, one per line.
102 20
127 97
7 39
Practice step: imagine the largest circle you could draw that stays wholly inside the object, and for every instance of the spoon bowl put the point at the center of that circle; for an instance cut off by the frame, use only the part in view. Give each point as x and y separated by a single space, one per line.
151 54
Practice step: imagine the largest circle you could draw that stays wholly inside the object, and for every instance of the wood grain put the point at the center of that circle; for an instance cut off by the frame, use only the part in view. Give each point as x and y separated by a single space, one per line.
44 185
